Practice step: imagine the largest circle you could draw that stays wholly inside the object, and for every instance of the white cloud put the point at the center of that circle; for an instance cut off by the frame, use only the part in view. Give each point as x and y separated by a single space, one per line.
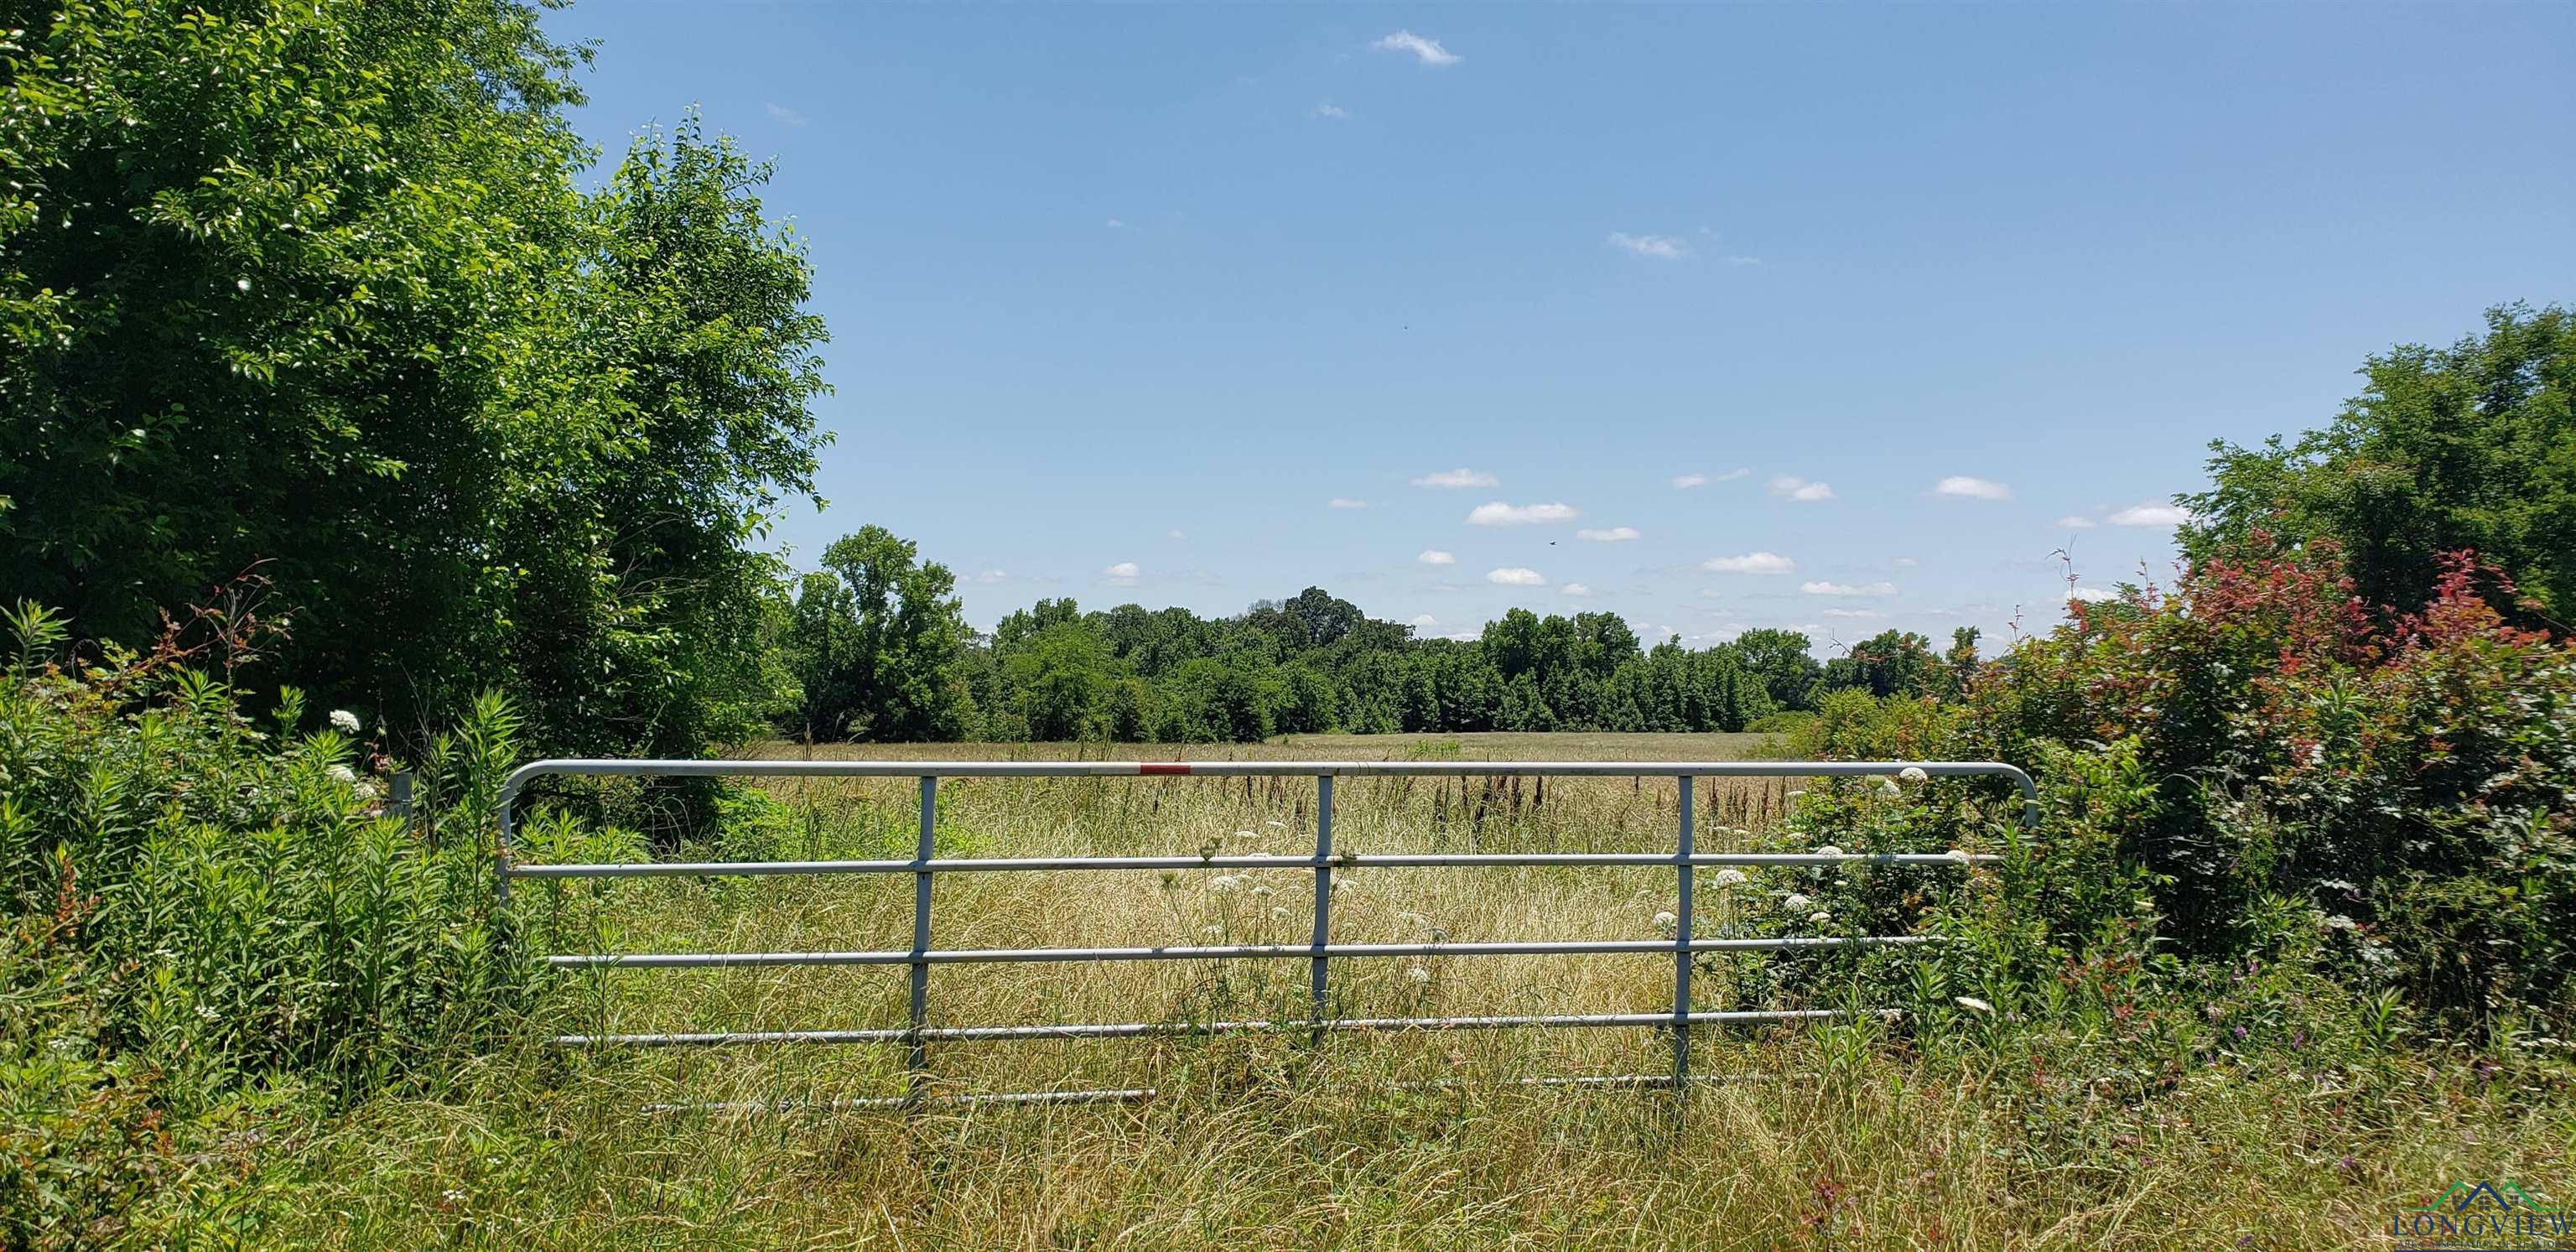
1516 576
1176 534
1497 513
1906 562
2092 595
1345 502
991 576
1970 488
1615 534
1426 50
1123 574
1749 563
1863 613
1423 621
1434 556
1688 481
1115 224
1458 478
781 113
1797 488
1660 247
1330 110
1577 590
2151 515
2076 521
1848 589
1733 474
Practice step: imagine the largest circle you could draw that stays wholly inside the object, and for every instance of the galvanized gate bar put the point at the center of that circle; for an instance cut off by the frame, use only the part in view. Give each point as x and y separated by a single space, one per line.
925 865
1347 860
1684 872
1245 951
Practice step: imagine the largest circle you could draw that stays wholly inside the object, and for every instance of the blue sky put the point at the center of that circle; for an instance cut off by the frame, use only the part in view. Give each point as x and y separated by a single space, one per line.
1830 317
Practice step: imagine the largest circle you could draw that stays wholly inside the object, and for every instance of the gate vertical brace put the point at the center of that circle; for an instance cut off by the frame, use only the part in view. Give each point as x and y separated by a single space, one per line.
1319 968
917 1070
1682 955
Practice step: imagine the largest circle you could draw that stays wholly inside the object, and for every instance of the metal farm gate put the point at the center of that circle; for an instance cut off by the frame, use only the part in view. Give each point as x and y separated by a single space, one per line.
924 866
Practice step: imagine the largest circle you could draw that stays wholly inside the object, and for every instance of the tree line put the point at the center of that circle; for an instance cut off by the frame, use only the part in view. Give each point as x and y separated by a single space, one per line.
877 649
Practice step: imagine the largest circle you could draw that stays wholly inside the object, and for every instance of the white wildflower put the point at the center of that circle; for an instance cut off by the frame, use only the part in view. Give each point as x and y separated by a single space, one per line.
1957 854
1262 892
1887 786
1796 902
1829 850
1666 922
1224 884
1417 973
344 721
1245 836
1415 920
1820 917
1730 878
207 1011
1795 794
1276 824
1972 1002
1912 774
1279 913
343 774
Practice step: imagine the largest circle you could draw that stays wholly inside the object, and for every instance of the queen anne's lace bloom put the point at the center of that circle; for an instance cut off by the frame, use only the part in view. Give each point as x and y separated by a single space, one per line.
1972 1002
1417 973
344 721
1730 878
342 773
1912 774
1820 917
1666 921
1795 902
1829 850
1224 884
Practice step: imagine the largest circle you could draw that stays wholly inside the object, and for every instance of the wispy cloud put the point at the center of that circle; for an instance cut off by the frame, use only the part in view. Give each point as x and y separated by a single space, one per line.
1750 563
1458 478
1576 590
1176 534
1688 481
1424 49
1123 574
2151 515
2076 521
1848 589
991 576
1616 534
1797 488
1859 613
782 114
1345 502
1660 247
1434 556
1497 513
1516 576
1422 621
2092 595
1970 488
1330 111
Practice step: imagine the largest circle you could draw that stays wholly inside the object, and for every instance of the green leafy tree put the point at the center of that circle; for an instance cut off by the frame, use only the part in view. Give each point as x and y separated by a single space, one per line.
313 288
881 643
1778 659
2467 447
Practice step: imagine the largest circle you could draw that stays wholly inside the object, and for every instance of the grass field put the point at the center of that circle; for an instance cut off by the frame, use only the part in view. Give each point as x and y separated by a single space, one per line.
1840 1136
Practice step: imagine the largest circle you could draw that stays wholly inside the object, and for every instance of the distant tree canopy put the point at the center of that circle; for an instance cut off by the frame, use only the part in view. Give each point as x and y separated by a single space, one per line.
312 288
2471 446
876 643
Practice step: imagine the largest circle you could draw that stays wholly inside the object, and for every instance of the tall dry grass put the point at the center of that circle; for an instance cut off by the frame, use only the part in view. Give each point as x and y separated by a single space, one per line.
1844 1135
